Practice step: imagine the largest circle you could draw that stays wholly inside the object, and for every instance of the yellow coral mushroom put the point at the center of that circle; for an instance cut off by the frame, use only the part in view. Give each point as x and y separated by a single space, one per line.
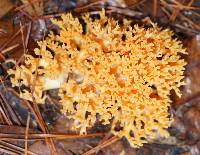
122 73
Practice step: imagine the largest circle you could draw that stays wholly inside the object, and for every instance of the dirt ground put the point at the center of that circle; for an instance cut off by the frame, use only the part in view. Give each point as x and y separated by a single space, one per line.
27 128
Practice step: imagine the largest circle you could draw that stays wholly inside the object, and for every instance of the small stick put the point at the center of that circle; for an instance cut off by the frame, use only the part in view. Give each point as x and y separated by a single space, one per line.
7 150
2 31
4 116
191 2
90 5
35 110
188 99
14 148
48 16
25 5
180 6
9 48
137 4
26 14
23 41
191 22
56 136
28 34
2 57
32 5
8 120
101 146
26 134
11 39
155 3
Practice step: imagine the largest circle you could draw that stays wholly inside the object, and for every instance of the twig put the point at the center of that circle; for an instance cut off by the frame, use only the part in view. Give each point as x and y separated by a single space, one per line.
99 2
48 16
191 2
35 110
191 22
26 134
102 145
188 99
14 148
32 5
2 31
2 82
105 138
7 150
124 11
166 12
5 116
186 29
176 11
21 139
174 14
35 136
2 120
2 57
9 48
11 39
26 14
136 4
4 112
155 4
196 14
9 111
28 34
42 125
25 5
191 66
179 5
22 35
17 129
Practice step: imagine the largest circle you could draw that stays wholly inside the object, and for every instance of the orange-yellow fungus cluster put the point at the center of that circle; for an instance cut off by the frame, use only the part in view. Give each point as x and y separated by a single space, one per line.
114 72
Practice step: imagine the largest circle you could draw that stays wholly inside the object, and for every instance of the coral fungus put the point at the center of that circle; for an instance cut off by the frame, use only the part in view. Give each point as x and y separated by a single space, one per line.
121 73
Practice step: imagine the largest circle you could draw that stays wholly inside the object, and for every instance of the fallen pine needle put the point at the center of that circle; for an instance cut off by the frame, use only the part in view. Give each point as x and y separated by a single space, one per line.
102 145
9 48
26 134
15 136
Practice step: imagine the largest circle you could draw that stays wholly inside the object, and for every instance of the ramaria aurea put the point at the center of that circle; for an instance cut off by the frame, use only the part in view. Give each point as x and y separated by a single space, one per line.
122 73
